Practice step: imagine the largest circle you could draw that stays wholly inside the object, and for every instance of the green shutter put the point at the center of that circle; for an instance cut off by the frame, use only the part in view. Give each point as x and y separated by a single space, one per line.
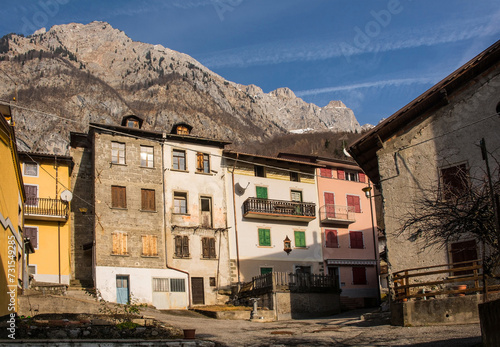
264 237
300 239
261 192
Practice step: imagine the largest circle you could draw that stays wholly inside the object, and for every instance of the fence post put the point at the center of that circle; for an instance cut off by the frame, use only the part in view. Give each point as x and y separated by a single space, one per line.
406 284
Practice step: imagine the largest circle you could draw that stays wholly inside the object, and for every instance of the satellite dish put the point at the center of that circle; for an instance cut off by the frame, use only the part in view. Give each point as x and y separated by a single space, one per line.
346 153
243 183
66 195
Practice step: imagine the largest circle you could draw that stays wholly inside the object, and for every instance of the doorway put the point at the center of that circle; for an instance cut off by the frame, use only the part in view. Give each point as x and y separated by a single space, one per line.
197 290
122 289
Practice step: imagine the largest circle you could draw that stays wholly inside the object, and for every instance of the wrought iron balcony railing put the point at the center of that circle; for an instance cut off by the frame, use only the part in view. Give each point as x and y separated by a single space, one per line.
44 208
279 209
337 214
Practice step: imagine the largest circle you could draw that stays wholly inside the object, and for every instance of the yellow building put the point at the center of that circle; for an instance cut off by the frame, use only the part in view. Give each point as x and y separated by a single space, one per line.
11 217
46 182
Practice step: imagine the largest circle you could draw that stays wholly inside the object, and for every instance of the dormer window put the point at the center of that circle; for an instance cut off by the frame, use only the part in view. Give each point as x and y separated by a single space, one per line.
132 123
182 130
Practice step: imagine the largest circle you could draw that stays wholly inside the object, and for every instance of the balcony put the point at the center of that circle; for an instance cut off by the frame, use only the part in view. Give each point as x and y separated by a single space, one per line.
336 214
46 209
279 210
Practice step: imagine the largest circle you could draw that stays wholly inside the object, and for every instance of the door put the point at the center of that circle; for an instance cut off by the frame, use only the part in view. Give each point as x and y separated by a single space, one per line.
333 271
297 197
330 205
197 290
122 289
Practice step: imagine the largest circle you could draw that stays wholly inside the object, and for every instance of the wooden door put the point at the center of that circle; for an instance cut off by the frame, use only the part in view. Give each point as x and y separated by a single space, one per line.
197 290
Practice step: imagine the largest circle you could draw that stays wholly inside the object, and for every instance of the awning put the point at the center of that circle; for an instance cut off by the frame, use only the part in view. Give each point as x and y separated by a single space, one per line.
351 262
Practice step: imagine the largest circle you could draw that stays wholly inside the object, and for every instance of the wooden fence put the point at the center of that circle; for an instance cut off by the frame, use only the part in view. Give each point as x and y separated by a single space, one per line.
427 282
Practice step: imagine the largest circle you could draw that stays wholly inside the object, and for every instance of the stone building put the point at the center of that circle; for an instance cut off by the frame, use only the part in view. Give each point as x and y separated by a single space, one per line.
431 146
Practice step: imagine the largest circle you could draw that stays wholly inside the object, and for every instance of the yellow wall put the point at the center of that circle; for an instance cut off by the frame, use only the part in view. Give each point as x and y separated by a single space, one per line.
10 219
52 256
247 169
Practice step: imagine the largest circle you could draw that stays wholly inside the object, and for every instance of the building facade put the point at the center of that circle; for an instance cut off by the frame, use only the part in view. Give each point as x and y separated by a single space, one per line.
12 198
431 147
272 207
47 224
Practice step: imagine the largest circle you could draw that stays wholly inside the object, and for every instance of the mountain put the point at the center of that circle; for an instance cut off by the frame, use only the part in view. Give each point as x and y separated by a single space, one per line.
74 74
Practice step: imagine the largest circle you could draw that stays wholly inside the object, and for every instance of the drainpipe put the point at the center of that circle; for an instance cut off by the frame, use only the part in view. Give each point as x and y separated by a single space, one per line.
236 224
58 226
375 243
165 222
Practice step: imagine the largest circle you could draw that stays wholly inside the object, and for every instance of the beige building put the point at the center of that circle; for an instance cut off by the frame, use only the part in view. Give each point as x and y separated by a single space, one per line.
431 146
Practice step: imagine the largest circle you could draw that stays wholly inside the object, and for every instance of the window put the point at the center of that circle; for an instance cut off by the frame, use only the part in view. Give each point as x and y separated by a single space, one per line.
182 247
177 285
300 239
179 160
213 283
356 239
296 195
118 197
325 172
463 251
331 238
119 243
31 269
259 171
455 181
132 123
206 212
362 177
31 194
266 270
208 247
31 233
294 176
117 153
182 130
351 176
148 200
180 202
261 192
359 275
31 169
149 245
147 156
202 163
264 237
354 203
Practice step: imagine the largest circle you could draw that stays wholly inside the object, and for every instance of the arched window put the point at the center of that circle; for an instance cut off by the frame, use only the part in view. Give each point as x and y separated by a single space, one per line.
331 239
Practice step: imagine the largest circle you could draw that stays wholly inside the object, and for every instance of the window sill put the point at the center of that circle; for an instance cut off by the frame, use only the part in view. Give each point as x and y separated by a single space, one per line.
118 164
147 167
202 258
301 247
120 255
119 208
187 258
181 214
204 173
264 246
179 170
149 256
150 211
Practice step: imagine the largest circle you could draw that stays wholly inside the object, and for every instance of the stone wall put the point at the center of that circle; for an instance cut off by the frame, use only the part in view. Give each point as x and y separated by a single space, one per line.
489 314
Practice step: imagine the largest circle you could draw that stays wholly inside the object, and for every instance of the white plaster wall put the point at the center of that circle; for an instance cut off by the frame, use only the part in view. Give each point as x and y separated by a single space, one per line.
140 285
51 278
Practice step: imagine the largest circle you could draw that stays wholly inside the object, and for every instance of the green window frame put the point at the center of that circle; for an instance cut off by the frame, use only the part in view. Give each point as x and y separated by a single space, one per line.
300 239
266 270
261 192
264 237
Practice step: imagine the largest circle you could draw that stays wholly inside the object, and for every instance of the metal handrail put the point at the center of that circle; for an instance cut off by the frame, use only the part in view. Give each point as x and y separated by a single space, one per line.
279 207
46 207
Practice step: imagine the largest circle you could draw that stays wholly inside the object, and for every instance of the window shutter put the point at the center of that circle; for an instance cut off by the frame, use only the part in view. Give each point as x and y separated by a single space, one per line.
300 239
340 174
264 237
359 275
146 250
212 248
178 246
185 246
124 244
362 177
205 246
331 239
32 234
154 245
261 192
356 238
199 161
323 172
354 203
116 243
31 194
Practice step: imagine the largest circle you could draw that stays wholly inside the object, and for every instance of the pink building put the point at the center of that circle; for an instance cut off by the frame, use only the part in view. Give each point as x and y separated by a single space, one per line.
347 222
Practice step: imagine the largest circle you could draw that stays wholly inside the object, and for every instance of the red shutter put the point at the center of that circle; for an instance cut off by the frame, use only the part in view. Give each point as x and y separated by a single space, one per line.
358 275
31 233
325 173
354 203
362 177
356 238
330 205
331 238
340 174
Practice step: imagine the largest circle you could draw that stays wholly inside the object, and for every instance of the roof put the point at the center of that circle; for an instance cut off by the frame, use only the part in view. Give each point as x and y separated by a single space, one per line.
323 161
42 156
233 153
364 150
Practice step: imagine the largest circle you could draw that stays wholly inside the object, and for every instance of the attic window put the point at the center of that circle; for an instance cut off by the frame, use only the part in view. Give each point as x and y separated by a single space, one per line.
131 123
182 130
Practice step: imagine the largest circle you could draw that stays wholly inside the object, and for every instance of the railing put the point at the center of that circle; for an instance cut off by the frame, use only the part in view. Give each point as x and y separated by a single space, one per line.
279 207
298 282
337 213
459 279
46 207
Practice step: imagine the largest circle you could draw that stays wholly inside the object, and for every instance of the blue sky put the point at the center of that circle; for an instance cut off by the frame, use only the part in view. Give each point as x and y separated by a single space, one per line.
374 55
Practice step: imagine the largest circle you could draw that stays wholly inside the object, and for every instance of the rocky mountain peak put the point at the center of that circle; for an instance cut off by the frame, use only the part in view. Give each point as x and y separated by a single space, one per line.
74 74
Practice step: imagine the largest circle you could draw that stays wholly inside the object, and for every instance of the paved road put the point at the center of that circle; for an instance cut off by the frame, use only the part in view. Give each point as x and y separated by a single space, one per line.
347 329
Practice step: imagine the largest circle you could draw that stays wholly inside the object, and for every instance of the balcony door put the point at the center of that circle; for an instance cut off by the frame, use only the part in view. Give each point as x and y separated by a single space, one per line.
297 197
